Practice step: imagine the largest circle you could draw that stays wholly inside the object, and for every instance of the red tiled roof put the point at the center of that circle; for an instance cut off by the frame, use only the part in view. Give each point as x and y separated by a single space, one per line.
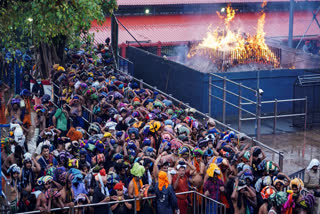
194 27
173 2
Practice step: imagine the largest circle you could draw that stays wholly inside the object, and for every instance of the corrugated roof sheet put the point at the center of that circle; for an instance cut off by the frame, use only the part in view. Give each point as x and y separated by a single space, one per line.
194 27
173 2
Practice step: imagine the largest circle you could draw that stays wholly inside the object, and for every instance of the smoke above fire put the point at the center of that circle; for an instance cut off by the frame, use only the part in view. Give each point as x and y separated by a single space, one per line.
228 46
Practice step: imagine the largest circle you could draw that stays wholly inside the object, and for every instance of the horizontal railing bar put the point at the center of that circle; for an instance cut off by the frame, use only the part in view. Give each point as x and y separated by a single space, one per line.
215 75
124 59
279 101
198 193
292 115
113 202
271 117
267 147
233 105
230 92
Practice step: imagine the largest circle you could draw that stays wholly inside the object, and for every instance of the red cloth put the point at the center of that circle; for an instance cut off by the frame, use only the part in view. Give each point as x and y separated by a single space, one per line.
182 186
183 206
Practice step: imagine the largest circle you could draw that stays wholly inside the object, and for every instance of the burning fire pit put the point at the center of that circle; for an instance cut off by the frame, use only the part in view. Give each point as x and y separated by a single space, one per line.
228 48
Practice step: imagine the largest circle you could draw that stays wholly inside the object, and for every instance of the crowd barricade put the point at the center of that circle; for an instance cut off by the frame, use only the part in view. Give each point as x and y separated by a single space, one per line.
207 205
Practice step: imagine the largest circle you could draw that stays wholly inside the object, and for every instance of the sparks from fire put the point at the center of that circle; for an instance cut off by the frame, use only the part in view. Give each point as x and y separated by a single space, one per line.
231 46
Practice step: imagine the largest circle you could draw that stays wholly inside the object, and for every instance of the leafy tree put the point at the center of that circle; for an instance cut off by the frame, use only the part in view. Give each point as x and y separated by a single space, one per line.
49 26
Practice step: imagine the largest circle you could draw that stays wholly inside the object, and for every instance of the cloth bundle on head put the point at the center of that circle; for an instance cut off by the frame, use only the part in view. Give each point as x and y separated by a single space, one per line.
313 162
175 144
107 134
247 175
44 179
279 198
181 164
94 127
276 180
242 184
183 150
14 168
146 142
154 126
73 163
5 143
137 170
133 131
118 186
308 201
74 135
101 176
100 146
262 165
50 171
163 180
100 158
75 175
166 137
267 181
297 182
266 192
197 151
27 157
117 156
112 178
270 167
149 151
213 168
246 155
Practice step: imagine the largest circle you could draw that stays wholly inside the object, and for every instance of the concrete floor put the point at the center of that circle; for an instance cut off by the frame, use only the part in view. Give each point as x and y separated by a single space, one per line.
299 147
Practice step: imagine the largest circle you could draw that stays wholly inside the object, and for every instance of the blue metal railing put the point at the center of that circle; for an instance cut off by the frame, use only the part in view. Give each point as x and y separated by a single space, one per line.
125 66
298 174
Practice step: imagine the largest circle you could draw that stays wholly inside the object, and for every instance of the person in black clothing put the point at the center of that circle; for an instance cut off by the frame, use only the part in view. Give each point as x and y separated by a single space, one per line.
121 207
101 193
26 78
24 203
38 91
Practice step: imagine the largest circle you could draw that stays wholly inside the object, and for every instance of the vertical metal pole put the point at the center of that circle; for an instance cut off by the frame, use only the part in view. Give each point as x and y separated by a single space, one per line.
253 143
275 115
205 205
0 158
239 109
305 114
141 83
281 160
135 206
209 95
194 202
224 100
258 115
291 24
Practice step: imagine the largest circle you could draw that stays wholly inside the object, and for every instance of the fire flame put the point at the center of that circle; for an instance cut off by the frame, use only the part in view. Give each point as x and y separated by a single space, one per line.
233 46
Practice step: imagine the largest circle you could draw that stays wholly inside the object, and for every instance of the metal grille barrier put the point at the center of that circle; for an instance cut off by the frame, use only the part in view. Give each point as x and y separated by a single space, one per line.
200 204
248 101
125 66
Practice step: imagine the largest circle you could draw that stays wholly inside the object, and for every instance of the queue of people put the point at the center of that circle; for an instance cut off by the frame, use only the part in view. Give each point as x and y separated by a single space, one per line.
138 143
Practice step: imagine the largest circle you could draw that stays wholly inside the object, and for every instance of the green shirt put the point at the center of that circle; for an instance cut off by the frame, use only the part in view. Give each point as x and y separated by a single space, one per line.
61 120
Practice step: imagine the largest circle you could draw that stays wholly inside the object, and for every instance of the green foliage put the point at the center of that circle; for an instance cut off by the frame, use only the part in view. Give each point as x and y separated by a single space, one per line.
25 23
